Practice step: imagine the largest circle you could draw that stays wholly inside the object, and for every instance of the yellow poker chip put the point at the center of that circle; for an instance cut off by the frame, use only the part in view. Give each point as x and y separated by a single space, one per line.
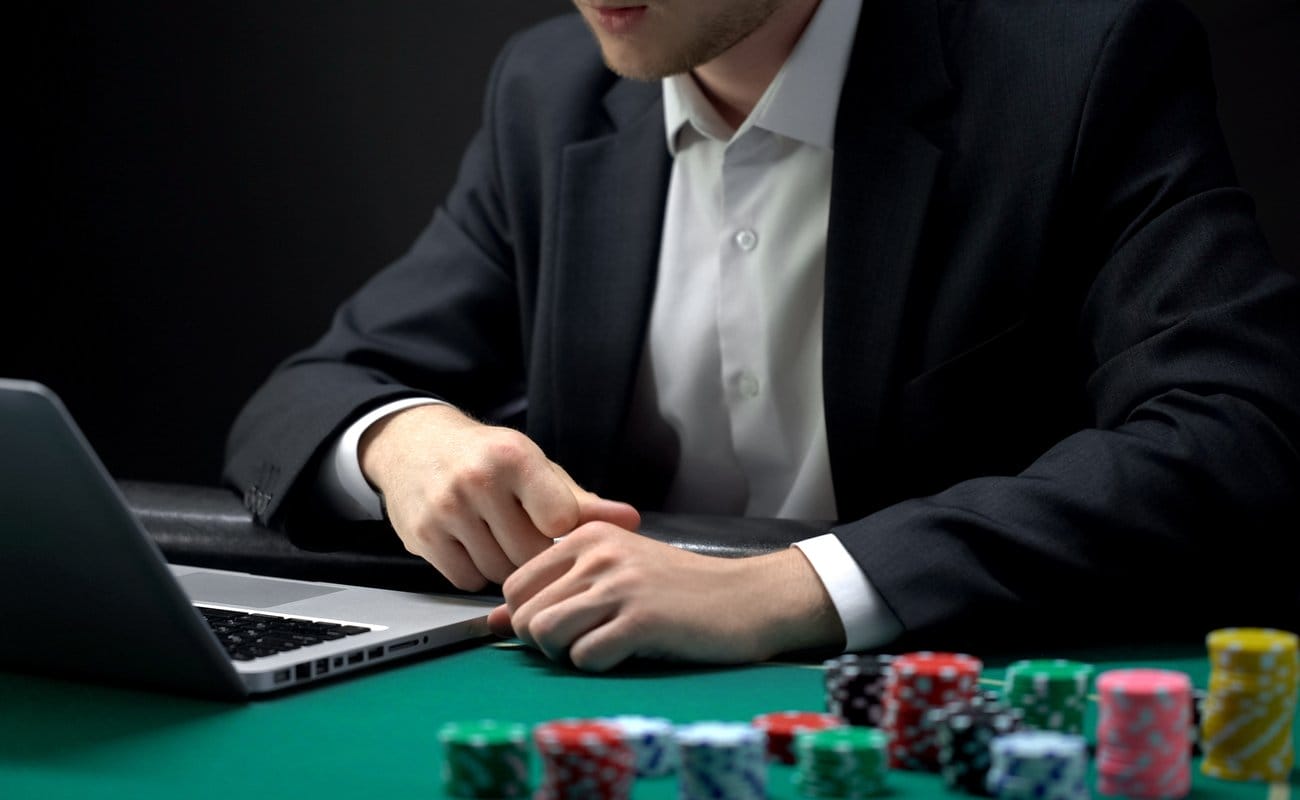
1251 702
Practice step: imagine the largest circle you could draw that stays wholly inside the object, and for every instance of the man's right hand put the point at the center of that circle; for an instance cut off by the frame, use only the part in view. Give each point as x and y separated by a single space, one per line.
475 501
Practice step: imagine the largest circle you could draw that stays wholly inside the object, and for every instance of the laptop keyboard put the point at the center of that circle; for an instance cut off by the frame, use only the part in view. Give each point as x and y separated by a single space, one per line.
247 636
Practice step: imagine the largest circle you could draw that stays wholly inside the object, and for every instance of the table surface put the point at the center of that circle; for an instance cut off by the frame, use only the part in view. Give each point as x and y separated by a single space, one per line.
375 734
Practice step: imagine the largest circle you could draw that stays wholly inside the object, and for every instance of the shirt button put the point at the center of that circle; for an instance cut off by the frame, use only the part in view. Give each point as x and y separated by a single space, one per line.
748 385
746 239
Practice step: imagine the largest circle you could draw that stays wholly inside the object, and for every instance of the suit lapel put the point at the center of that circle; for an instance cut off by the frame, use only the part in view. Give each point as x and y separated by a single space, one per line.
885 168
612 193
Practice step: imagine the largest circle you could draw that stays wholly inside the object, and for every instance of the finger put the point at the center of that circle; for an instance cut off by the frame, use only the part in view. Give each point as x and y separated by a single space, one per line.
483 549
594 508
536 576
449 557
598 509
499 622
548 498
514 531
554 628
603 647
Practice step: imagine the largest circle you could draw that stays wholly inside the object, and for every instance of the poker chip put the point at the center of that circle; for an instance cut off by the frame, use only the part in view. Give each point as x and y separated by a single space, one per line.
1143 725
964 730
485 758
1246 729
781 727
855 687
918 683
843 762
1052 693
583 760
1038 765
651 740
721 761
1197 711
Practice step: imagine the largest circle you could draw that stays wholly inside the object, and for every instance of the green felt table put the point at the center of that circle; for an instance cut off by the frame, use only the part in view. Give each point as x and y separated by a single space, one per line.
374 735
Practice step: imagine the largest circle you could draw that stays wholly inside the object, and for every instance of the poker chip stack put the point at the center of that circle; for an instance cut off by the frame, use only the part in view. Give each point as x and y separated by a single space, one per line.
1250 705
651 740
485 759
855 687
1039 765
1143 722
721 760
782 726
583 760
1052 693
1197 710
845 762
964 731
918 683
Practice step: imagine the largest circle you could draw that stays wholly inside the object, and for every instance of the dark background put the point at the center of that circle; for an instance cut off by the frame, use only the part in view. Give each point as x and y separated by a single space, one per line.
196 184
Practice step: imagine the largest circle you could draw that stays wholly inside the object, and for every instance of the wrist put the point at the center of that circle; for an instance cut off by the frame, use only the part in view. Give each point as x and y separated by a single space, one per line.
380 445
792 609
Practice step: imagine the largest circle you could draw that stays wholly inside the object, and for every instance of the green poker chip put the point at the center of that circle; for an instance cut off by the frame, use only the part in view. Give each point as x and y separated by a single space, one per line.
485 758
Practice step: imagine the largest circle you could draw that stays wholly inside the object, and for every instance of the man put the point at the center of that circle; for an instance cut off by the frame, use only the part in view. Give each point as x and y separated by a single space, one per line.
971 278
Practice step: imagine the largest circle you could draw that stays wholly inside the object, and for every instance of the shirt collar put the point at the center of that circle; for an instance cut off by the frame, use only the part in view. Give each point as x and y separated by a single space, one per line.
803 98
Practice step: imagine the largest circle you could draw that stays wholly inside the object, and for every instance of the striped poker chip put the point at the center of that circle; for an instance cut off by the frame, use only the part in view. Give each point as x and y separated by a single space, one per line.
721 761
855 687
1143 725
781 727
1038 765
964 731
651 740
1052 693
485 758
1246 731
918 683
583 759
849 761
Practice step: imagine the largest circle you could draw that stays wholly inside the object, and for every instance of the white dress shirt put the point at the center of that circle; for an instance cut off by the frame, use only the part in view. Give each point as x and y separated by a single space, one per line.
730 385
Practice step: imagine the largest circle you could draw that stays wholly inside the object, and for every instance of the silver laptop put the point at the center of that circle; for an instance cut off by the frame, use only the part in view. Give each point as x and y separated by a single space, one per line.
87 594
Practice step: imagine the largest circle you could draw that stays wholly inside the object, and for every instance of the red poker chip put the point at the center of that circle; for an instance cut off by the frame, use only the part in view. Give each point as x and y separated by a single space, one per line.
781 727
919 682
583 758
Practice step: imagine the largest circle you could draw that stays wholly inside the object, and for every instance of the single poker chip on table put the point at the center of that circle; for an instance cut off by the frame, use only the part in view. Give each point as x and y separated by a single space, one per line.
485 758
721 760
1143 732
855 687
964 731
583 759
918 683
843 762
1039 765
1052 693
782 726
652 741
1246 730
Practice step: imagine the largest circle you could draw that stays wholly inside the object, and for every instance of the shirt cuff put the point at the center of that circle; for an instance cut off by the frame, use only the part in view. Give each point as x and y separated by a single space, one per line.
342 484
867 621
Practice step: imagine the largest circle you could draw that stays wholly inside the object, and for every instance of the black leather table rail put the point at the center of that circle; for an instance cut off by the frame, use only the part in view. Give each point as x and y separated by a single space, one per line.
208 526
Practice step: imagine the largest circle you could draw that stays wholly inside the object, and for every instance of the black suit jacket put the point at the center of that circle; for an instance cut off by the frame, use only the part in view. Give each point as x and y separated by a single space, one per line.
1060 367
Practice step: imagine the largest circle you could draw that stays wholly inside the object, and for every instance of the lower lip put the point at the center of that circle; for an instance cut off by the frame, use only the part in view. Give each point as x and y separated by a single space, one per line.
619 20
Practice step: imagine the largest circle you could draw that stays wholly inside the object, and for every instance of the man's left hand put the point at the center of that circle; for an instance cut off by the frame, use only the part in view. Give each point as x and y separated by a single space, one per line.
603 594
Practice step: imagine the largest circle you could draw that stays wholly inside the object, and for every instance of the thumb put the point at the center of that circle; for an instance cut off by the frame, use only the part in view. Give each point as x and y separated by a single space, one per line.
499 622
593 508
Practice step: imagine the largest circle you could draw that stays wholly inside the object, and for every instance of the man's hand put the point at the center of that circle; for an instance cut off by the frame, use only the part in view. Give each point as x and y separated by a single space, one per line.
604 594
475 501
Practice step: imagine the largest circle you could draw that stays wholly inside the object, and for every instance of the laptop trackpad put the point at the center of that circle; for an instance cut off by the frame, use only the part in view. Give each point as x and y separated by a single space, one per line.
237 590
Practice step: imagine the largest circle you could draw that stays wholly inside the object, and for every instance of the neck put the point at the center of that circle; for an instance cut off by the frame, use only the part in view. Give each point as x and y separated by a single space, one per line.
735 80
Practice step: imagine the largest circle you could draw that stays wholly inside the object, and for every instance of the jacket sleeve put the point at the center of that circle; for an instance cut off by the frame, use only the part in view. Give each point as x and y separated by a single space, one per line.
1170 512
